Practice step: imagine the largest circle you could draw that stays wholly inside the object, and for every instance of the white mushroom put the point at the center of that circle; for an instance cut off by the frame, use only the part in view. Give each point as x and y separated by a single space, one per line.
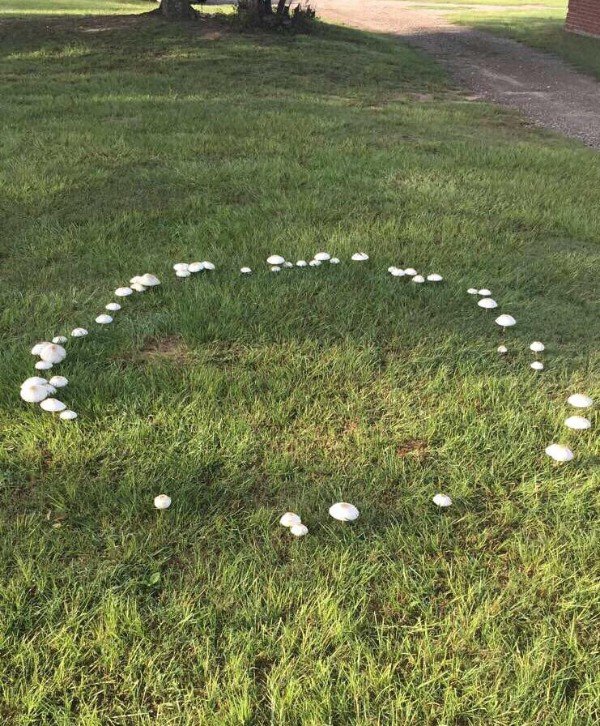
78 332
67 415
34 381
53 353
360 257
299 530
434 277
193 267
123 291
442 500
61 339
334 261
104 319
418 278
113 307
138 287
502 349
537 365
398 272
289 519
209 265
505 321
149 280
537 347
183 265
410 271
484 292
287 265
559 452
315 263
302 263
34 393
392 268
322 256
43 365
135 280
182 273
275 268
487 303
245 270
39 347
580 400
472 291
52 405
162 501
275 260
344 512
578 423
58 381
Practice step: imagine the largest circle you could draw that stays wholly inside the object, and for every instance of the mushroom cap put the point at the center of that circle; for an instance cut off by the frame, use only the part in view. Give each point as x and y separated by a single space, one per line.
559 452
537 347
502 349
442 500
275 268
392 268
578 423
410 271
53 353
299 530
138 287
123 291
472 291
39 347
52 405
276 260
78 332
323 256
315 263
193 267
289 519
398 272
434 277
104 319
162 501
245 270
287 265
149 280
418 278
183 265
60 339
487 303
209 265
484 292
34 381
43 365
34 393
344 512
67 415
580 400
334 261
135 279
182 273
360 257
113 307
58 381
301 263
537 365
506 321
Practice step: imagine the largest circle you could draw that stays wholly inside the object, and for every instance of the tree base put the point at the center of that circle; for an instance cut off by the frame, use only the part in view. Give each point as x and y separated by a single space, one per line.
176 10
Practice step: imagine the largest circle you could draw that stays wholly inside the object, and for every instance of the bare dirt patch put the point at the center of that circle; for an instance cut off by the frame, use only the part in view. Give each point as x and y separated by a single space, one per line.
170 348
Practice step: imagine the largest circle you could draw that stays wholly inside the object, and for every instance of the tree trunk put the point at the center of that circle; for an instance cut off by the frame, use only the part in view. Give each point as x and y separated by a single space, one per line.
177 10
281 7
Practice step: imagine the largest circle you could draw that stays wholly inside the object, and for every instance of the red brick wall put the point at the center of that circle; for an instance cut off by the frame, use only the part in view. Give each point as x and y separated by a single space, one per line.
584 17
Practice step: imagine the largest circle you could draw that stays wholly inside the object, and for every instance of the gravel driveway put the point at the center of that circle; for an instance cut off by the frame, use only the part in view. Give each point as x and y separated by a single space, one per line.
543 88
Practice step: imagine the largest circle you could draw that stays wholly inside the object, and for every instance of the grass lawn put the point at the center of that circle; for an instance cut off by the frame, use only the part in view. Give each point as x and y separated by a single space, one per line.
129 145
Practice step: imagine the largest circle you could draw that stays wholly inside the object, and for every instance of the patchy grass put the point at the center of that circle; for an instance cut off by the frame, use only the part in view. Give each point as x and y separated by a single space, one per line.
145 144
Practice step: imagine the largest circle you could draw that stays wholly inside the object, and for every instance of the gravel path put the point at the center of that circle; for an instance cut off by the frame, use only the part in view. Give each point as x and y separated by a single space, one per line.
543 88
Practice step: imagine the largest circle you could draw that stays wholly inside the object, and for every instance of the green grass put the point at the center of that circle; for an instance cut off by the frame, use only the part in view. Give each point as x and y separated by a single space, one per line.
74 7
129 149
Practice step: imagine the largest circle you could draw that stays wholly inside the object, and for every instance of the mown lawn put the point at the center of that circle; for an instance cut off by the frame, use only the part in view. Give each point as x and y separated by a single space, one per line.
129 145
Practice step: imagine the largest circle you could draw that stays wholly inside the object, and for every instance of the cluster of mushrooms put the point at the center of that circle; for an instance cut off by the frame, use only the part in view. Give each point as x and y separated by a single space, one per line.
40 390
558 452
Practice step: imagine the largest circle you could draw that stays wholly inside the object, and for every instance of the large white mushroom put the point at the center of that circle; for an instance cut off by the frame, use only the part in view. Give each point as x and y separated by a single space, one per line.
434 277
410 271
487 303
193 267
344 512
580 400
299 530
275 260
302 263
537 347
104 319
58 381
79 332
53 405
322 256
289 519
162 501
559 452
53 353
123 291
505 321
442 500
34 392
149 280
484 292
184 266
34 381
578 423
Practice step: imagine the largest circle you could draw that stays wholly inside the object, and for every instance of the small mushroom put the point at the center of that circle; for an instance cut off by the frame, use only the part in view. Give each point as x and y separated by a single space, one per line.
113 307
487 303
559 452
418 278
149 280
502 349
484 292
344 512
442 500
398 272
138 287
580 400
391 269
79 332
505 321
195 267
472 291
537 347
360 257
289 519
162 501
245 270
299 530
302 263
434 277
58 381
275 268
315 263
183 265
34 392
43 365
334 261
537 365
123 291
67 415
410 271
275 260
60 339
182 273
135 279
209 266
578 423
322 256
104 319
53 405
53 353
